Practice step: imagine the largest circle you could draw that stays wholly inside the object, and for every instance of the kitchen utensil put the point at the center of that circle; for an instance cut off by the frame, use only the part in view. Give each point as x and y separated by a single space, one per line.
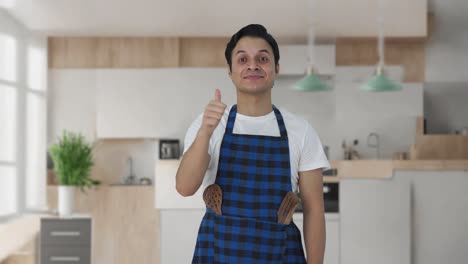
213 197
349 152
464 131
400 156
287 208
145 181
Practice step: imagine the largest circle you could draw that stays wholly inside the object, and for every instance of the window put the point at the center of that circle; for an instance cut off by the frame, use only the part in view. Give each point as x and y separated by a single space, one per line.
35 151
23 96
8 60
8 126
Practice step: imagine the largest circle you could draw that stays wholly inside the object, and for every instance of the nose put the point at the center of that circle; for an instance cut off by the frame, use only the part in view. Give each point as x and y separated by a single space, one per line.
253 66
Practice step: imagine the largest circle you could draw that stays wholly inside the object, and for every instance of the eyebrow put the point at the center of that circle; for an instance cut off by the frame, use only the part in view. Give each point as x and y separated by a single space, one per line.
243 51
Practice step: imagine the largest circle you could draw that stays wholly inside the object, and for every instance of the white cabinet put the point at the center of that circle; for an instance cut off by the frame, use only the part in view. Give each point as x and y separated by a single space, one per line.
72 102
154 103
179 230
332 229
126 105
166 195
375 222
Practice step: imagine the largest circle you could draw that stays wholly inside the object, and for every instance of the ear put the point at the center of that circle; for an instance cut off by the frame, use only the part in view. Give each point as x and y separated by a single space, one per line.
277 68
229 72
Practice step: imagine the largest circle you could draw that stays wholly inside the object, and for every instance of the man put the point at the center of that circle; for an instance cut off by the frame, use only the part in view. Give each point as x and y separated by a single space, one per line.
256 154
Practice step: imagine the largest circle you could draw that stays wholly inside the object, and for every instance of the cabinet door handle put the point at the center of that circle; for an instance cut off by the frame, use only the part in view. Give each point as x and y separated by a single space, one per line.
64 258
65 233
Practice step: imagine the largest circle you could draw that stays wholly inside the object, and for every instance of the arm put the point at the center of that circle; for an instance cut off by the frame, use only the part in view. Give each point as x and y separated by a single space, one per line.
310 185
195 161
193 165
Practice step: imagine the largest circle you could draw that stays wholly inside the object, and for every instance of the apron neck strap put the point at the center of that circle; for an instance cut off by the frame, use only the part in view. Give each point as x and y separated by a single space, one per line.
279 120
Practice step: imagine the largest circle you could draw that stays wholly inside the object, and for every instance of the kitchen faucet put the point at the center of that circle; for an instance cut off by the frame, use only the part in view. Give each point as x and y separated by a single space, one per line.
375 145
131 177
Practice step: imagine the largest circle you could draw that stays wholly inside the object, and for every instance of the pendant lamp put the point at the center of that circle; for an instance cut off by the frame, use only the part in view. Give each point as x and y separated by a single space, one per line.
311 82
380 82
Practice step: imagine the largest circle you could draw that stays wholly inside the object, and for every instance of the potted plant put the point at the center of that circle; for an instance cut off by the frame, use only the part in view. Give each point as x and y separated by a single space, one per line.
73 160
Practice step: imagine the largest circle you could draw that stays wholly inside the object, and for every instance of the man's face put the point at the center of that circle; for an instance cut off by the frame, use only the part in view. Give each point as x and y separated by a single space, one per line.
253 66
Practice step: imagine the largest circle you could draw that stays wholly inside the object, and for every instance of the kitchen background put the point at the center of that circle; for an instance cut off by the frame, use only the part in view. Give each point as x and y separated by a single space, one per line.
126 93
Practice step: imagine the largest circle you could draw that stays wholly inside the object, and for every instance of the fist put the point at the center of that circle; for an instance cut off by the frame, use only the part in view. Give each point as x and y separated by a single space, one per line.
212 115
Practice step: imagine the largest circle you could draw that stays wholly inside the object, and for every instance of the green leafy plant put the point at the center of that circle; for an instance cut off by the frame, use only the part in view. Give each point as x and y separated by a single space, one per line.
73 160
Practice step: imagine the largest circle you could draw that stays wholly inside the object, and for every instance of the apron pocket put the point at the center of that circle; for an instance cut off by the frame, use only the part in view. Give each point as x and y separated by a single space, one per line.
246 240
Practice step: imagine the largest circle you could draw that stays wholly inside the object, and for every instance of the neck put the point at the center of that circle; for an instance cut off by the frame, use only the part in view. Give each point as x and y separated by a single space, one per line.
254 105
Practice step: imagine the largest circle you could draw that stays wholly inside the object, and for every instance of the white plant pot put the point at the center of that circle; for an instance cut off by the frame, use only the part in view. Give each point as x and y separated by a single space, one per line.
66 200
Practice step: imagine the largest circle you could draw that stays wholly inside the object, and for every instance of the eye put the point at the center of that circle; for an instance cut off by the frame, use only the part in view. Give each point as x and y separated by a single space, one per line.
264 59
242 60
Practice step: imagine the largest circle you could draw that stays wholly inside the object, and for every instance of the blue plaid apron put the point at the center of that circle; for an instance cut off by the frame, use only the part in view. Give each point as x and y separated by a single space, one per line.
254 175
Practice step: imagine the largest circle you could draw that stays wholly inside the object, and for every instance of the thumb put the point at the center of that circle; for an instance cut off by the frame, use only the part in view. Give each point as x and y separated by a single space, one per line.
217 95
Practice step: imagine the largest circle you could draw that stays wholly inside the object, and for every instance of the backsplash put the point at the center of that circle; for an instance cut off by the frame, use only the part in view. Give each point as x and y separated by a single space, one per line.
111 159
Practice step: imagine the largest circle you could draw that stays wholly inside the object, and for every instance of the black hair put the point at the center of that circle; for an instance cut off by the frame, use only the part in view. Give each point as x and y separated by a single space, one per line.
252 30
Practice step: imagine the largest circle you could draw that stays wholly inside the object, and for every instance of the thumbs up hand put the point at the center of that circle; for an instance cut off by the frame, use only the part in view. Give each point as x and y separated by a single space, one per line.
212 115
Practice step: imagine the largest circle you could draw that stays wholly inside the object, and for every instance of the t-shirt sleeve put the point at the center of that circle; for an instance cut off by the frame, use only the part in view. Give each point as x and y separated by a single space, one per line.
192 134
312 154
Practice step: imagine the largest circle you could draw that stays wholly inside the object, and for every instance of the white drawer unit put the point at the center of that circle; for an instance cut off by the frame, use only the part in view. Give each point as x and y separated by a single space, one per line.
332 241
65 241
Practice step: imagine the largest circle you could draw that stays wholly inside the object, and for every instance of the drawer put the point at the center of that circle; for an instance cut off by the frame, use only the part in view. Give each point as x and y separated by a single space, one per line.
65 255
65 232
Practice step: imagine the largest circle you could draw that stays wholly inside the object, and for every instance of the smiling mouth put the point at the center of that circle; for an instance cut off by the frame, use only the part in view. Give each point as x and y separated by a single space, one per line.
253 77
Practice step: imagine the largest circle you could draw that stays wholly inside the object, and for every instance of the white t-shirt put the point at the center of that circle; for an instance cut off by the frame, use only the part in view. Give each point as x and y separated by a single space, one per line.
305 149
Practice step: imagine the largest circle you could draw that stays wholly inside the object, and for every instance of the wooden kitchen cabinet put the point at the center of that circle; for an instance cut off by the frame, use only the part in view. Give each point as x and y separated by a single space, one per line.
202 52
113 52
125 226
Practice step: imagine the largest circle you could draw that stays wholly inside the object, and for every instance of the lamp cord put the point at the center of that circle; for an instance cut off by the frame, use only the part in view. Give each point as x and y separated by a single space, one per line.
311 34
381 40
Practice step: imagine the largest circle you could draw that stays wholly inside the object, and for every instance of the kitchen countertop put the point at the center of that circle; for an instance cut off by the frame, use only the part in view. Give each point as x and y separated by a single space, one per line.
386 168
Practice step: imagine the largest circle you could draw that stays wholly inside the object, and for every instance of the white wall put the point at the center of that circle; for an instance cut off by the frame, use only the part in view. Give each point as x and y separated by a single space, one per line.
446 52
446 88
445 107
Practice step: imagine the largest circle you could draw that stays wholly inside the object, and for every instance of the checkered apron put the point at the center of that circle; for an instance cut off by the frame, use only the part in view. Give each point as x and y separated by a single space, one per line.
254 175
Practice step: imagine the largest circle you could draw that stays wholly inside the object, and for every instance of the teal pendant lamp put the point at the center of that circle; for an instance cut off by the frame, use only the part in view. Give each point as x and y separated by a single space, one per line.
311 82
380 82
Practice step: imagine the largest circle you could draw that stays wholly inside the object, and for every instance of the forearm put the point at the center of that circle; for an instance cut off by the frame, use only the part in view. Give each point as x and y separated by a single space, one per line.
314 235
193 166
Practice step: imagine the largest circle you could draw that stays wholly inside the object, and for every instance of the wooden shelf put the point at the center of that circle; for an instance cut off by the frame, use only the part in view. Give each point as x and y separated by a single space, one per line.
437 146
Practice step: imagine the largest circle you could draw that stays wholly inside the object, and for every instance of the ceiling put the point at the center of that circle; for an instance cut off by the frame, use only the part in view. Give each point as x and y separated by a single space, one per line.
334 18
